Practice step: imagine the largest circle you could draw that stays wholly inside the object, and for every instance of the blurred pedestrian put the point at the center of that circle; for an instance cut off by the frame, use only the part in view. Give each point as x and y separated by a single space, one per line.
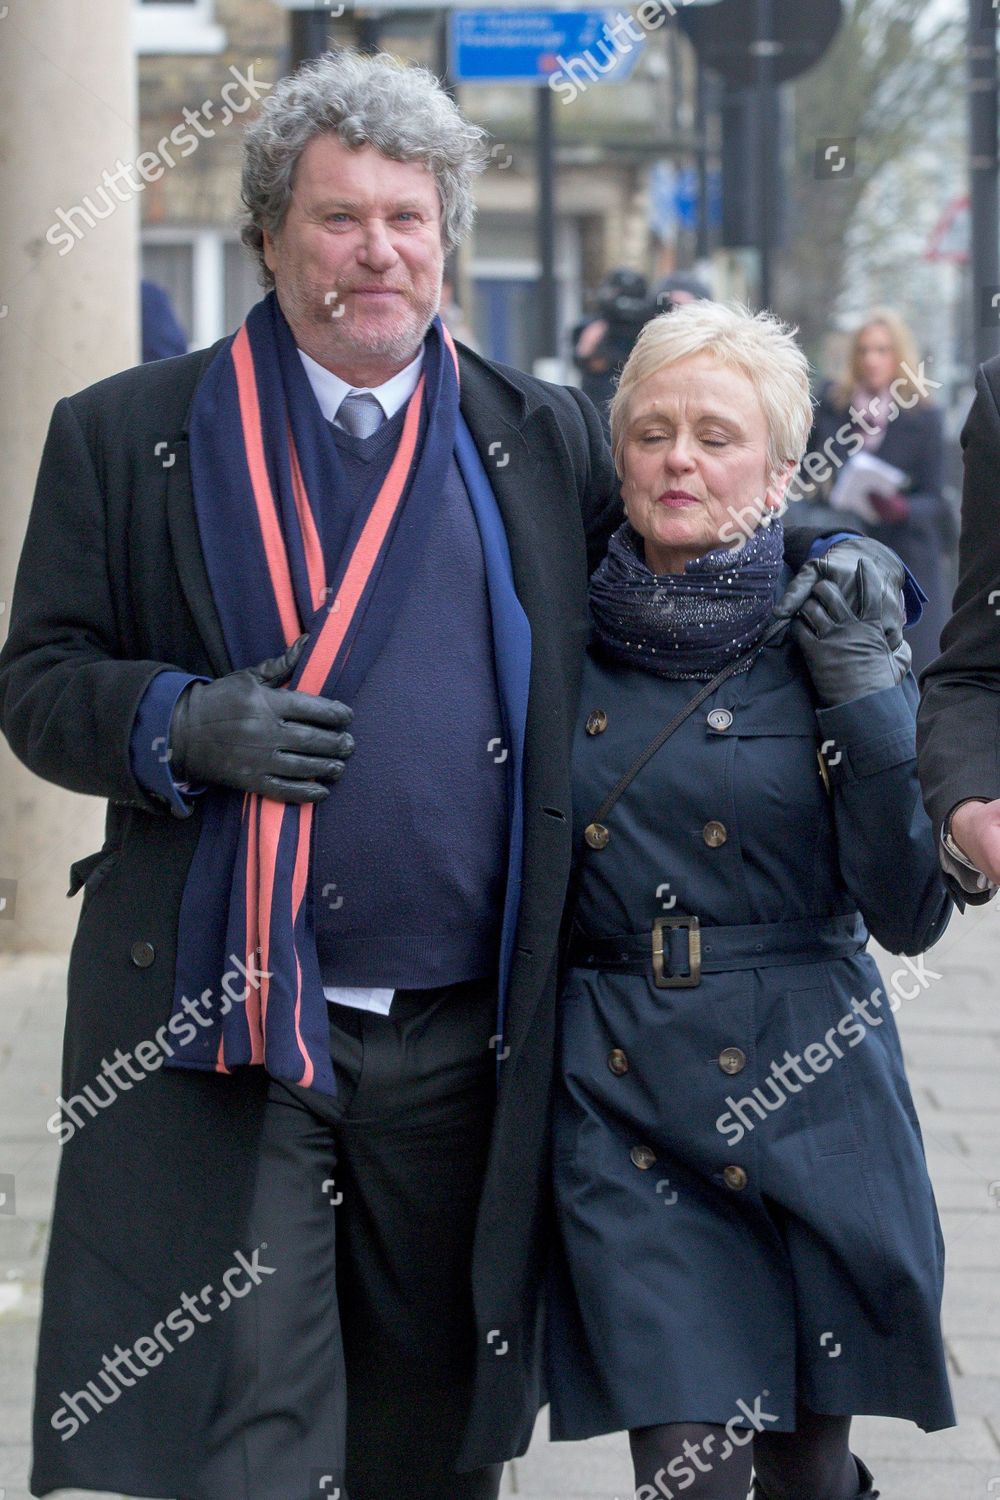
881 406
740 1274
603 342
453 315
162 334
679 288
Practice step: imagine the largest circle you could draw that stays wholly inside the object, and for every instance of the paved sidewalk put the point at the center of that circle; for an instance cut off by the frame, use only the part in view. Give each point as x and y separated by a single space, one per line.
951 1034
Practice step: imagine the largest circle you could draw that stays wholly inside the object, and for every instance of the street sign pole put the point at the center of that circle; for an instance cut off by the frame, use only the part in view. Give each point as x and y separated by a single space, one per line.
702 244
308 32
531 47
547 312
757 45
763 48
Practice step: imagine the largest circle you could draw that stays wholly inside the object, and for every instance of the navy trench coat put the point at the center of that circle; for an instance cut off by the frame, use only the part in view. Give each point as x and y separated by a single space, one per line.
743 1200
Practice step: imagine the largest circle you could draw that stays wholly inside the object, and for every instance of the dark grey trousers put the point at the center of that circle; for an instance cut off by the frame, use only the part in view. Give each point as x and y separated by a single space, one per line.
352 1360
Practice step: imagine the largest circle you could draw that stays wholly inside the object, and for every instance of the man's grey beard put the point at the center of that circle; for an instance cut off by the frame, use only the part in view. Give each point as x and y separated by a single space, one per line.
400 344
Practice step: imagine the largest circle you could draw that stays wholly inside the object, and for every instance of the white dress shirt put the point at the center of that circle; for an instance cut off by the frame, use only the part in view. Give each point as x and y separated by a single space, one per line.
330 391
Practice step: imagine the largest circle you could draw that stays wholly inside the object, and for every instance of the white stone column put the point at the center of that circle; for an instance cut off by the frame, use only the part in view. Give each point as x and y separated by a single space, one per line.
67 81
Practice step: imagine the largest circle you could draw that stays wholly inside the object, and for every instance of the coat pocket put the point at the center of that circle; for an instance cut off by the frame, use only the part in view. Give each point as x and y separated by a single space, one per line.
826 1034
91 870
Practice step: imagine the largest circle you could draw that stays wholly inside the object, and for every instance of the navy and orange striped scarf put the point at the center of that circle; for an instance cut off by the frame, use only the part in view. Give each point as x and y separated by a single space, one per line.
281 564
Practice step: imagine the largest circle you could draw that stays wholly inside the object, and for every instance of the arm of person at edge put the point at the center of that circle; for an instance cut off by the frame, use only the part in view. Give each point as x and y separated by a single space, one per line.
958 725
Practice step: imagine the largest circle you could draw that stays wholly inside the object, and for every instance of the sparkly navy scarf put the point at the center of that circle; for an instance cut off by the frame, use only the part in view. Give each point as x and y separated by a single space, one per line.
690 624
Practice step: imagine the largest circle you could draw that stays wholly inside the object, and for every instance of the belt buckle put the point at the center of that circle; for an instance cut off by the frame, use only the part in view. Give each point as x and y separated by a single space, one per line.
677 981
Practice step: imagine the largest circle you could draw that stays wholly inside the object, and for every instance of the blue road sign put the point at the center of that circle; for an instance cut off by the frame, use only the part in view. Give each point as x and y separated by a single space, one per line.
528 46
673 198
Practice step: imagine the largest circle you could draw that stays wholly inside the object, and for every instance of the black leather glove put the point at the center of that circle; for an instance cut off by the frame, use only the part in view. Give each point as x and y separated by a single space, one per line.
245 731
846 649
840 565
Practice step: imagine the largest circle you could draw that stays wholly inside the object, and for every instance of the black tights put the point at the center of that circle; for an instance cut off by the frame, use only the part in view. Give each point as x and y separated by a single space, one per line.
702 1462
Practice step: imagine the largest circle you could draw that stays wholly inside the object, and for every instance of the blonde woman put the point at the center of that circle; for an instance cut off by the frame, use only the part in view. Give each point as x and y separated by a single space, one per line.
881 405
749 1246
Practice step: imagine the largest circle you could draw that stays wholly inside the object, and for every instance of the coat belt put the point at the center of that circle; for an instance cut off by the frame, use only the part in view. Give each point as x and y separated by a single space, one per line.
677 949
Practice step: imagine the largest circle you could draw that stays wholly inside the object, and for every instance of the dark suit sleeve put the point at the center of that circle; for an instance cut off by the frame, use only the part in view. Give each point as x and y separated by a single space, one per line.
67 700
958 727
603 510
149 746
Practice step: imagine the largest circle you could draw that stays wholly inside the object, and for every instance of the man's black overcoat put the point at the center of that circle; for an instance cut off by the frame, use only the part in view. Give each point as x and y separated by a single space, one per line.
151 1194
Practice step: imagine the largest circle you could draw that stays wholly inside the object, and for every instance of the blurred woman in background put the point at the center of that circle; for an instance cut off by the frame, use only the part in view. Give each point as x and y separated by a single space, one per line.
916 521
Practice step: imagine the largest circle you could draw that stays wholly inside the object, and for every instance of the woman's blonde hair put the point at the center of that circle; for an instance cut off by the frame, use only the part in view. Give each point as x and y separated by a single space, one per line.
903 344
758 345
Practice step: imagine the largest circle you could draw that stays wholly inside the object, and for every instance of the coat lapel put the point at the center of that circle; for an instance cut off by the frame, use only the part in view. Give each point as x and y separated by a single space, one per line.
509 436
529 468
182 525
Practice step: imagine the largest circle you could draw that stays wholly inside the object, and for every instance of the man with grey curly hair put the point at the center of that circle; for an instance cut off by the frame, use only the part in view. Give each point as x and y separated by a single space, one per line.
319 1205
354 120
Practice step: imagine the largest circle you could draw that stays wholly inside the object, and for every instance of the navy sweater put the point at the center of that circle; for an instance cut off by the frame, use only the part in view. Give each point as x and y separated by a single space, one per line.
410 847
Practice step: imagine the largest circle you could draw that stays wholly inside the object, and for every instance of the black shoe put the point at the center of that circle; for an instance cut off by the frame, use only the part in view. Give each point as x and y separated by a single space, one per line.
866 1492
867 1489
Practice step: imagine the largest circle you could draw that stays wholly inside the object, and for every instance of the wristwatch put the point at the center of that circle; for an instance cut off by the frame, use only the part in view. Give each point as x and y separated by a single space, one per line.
957 854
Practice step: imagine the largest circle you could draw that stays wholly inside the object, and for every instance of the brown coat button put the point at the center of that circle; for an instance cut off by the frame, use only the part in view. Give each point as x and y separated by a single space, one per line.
642 1157
597 722
617 1061
732 1060
714 834
735 1178
596 836
143 954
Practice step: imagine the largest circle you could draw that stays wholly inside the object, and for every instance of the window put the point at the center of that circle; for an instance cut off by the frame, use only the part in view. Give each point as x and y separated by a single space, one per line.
211 279
176 26
504 271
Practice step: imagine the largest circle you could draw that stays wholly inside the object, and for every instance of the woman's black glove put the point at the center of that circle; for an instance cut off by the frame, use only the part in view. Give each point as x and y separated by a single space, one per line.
245 731
839 564
846 649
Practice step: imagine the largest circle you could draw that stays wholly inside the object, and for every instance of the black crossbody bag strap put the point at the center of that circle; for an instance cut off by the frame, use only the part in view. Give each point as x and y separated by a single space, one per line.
647 754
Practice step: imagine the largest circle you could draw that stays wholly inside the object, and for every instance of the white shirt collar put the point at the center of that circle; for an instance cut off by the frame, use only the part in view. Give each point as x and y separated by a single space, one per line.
330 390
